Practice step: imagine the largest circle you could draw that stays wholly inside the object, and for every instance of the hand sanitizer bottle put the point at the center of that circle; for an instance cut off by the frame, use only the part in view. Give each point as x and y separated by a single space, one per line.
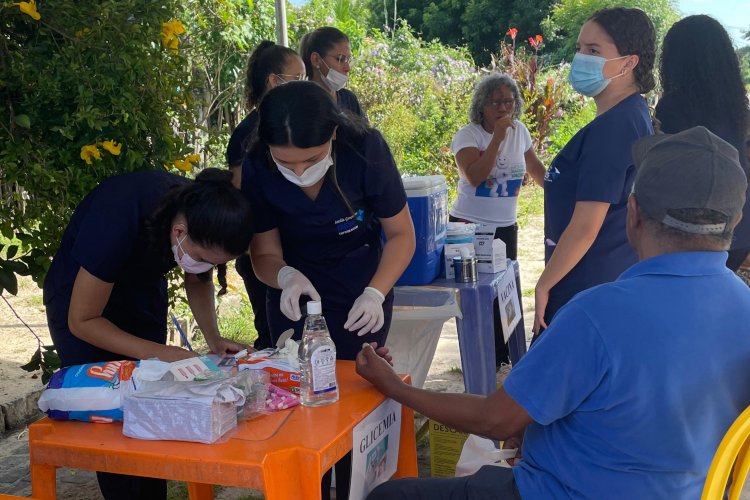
317 360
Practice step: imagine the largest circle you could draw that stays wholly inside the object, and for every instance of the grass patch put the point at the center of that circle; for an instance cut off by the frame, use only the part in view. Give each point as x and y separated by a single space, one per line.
456 369
530 204
528 292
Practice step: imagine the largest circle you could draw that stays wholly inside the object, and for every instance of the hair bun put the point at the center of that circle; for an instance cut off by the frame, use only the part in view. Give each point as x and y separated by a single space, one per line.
215 175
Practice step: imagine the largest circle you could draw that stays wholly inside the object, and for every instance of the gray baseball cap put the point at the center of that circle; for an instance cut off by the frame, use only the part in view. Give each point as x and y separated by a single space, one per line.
693 169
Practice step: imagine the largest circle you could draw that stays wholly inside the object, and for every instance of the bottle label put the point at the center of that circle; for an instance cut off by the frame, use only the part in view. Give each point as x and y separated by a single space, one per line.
323 361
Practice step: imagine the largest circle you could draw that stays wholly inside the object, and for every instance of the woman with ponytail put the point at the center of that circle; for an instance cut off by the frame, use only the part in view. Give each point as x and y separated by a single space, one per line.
269 66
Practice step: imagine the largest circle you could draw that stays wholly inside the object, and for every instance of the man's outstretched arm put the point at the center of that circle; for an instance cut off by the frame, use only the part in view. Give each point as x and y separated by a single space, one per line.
496 416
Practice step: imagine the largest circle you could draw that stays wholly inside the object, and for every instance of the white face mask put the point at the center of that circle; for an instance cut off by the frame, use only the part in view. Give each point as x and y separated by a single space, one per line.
335 80
311 175
186 262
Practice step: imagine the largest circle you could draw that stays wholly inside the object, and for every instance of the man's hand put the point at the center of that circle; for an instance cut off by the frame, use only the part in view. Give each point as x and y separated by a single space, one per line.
383 352
514 442
172 353
375 368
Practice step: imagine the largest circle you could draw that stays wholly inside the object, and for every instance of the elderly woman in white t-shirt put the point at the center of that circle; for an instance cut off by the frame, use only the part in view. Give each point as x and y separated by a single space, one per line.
493 153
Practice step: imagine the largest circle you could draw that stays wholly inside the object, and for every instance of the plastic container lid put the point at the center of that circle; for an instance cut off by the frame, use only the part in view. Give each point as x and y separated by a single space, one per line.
461 228
424 185
314 307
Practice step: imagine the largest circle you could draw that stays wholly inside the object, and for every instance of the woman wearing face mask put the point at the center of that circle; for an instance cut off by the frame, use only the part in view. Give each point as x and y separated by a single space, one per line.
324 188
106 290
269 66
587 185
328 55
702 83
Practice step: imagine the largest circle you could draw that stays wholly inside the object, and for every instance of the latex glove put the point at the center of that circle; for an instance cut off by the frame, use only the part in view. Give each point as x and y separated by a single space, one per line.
293 285
367 312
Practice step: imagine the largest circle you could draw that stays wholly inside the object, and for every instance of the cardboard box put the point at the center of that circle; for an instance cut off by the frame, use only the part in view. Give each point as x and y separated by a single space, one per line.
280 371
492 259
452 250
446 444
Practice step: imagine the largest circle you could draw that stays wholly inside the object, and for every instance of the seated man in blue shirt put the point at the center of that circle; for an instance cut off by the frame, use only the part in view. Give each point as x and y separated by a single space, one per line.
629 392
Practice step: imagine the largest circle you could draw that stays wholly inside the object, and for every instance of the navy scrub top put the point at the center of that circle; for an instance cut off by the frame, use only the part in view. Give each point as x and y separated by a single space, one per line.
337 250
106 237
595 165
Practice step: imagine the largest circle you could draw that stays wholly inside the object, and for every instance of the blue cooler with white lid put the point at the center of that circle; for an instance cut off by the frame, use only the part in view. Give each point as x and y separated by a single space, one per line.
427 197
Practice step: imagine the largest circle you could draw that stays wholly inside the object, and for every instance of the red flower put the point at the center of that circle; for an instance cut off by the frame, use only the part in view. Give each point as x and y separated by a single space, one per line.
536 41
512 32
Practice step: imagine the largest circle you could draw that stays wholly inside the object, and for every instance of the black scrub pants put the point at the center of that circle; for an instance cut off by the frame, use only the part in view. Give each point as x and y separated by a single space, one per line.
509 236
121 487
488 483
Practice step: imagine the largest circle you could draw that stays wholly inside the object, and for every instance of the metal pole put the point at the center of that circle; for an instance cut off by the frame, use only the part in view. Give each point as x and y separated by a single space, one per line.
281 36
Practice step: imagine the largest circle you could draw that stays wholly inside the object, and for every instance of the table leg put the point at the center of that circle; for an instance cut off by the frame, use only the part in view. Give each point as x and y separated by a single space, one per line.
517 340
43 482
292 474
407 447
200 491
476 339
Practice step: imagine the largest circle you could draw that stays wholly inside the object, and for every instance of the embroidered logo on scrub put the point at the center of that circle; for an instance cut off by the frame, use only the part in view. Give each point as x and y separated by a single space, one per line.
552 174
349 224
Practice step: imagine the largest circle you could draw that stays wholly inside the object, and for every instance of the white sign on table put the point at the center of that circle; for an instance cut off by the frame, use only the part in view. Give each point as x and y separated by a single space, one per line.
510 307
375 448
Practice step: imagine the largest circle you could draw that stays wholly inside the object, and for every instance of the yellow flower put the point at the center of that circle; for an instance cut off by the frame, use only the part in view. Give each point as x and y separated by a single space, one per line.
169 32
82 33
183 165
193 158
112 147
90 151
29 8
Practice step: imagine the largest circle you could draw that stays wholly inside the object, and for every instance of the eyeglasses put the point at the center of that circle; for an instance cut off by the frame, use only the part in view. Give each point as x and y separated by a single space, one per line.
342 58
287 78
506 103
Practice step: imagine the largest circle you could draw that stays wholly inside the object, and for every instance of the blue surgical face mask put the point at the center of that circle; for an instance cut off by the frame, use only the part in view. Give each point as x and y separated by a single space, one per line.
586 75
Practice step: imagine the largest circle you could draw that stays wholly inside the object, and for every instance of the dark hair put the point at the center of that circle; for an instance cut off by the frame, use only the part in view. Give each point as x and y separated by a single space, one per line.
321 41
633 34
699 63
267 59
216 213
304 115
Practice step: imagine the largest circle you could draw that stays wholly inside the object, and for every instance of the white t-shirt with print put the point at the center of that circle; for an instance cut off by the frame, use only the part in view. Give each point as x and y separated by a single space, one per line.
493 201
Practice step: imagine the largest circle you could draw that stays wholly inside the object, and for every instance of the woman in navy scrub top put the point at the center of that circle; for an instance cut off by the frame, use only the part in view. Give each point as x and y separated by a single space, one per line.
327 54
106 290
325 188
587 185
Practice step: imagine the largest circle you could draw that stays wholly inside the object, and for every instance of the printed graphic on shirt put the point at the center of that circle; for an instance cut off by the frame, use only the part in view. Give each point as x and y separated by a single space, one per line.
349 224
504 180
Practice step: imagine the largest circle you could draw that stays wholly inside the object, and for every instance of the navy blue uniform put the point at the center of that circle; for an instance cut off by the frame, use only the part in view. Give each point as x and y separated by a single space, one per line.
595 165
106 236
336 249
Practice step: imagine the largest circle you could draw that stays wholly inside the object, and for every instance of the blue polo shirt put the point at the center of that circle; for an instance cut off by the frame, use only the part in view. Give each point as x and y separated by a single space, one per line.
635 383
107 237
595 165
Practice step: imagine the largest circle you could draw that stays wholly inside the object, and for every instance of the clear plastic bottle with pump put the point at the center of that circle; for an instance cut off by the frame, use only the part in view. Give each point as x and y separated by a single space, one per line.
317 360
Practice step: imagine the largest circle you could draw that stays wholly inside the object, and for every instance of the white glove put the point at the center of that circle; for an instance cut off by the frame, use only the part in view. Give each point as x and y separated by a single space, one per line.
367 312
293 285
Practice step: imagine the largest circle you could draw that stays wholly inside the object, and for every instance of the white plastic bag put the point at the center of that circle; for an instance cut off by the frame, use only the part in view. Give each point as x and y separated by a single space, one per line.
478 452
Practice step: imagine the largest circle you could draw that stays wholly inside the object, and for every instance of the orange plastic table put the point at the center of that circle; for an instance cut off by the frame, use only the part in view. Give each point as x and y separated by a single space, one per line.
285 454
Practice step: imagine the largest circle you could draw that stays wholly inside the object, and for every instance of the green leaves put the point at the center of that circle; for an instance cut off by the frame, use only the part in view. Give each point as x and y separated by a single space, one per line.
45 358
23 121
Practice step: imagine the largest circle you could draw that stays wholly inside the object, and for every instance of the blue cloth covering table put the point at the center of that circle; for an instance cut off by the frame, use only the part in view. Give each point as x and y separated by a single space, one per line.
476 334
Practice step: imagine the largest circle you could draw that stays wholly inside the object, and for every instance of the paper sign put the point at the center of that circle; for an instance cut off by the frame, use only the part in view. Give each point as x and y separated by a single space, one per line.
375 449
510 307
